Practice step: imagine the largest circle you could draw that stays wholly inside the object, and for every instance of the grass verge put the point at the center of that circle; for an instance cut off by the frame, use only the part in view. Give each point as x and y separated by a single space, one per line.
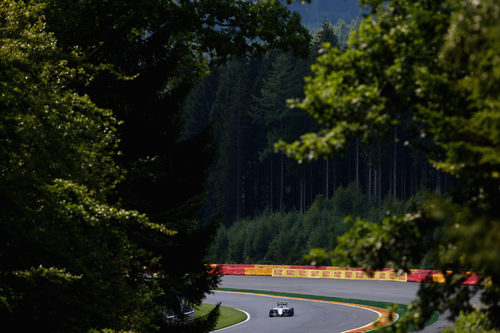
228 316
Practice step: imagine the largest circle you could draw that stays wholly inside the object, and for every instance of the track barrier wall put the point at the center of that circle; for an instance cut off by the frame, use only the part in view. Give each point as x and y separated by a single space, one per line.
340 274
328 272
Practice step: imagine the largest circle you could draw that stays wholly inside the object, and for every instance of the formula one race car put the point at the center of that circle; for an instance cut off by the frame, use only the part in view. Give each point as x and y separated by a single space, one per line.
281 310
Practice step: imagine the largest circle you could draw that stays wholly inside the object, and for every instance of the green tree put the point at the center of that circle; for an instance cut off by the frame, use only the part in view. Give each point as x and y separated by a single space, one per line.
65 249
437 62
270 110
229 115
167 47
326 34
70 232
472 322
246 176
343 30
318 11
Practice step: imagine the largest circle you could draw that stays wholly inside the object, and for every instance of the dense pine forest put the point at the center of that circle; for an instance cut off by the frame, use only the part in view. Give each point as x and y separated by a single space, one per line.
287 237
273 209
245 103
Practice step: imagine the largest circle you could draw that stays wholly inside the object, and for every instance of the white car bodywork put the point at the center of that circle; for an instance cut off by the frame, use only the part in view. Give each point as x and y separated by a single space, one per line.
281 310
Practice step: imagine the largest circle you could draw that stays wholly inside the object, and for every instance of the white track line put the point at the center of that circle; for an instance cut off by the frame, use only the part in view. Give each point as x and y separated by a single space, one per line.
241 322
371 323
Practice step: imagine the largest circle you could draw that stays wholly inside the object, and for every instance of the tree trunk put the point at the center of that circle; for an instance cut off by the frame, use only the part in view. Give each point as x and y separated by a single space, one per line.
379 179
310 185
300 196
403 183
448 182
238 155
394 187
326 179
302 203
369 189
357 162
271 185
282 170
334 177
425 174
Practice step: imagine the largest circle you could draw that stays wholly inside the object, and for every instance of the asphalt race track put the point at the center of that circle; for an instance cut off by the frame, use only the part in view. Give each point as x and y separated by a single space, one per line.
312 316
309 316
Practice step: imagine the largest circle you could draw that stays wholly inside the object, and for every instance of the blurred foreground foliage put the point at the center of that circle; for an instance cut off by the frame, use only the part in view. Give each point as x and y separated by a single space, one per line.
99 195
438 62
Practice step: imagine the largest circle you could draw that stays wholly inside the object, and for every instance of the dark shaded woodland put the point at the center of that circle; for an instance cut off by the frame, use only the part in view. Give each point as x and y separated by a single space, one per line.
245 102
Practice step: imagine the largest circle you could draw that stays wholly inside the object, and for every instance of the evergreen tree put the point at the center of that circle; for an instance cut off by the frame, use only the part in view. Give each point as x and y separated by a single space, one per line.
318 11
260 184
287 237
229 114
326 34
198 105
343 30
272 112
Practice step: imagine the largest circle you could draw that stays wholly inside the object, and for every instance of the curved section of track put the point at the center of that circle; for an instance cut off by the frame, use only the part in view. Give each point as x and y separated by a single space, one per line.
311 316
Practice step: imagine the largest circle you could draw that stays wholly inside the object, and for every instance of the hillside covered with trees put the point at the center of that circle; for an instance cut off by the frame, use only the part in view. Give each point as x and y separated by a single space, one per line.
245 103
289 236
